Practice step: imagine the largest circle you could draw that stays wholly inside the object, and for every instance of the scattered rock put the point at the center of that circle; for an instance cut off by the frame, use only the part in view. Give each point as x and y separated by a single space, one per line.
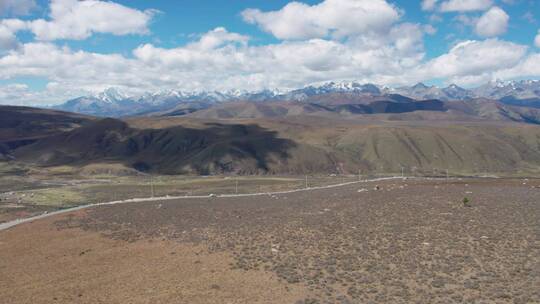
438 283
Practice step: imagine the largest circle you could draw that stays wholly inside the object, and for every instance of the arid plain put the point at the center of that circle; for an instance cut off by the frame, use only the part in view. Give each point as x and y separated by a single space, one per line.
394 241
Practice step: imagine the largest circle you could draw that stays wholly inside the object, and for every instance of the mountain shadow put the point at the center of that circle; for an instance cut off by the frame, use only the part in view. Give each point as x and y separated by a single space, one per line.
215 148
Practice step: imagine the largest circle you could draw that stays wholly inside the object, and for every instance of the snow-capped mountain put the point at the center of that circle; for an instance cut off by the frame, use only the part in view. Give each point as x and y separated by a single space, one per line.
114 103
111 95
333 87
110 102
524 89
422 91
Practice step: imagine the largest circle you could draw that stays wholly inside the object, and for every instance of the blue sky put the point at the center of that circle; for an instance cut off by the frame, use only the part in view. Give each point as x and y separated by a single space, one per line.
54 50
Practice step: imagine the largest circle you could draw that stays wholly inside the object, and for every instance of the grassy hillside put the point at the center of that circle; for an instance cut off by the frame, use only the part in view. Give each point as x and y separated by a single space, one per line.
419 142
305 145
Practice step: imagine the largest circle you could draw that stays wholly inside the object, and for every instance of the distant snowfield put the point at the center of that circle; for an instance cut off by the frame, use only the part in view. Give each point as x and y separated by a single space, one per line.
17 222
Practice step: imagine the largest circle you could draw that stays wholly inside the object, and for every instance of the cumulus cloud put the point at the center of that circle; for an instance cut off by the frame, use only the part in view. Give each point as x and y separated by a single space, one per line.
465 5
428 5
8 38
73 19
466 20
474 58
73 71
230 62
529 67
8 41
13 92
16 7
22 94
430 29
389 52
493 23
537 40
338 18
220 60
217 38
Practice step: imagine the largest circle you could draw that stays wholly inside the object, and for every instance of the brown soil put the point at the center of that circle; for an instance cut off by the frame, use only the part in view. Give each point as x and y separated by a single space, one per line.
407 242
40 264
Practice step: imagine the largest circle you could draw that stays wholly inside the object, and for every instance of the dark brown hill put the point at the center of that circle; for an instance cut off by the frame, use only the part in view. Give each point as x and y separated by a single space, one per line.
476 138
214 148
21 126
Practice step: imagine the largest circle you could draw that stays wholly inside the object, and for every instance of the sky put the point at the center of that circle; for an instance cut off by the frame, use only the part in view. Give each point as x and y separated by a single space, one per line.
52 51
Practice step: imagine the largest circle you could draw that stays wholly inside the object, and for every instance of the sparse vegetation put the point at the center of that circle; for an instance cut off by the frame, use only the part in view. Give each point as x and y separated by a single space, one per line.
466 202
336 246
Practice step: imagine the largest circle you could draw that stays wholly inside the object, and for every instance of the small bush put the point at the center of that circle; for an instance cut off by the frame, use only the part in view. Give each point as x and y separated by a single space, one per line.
466 202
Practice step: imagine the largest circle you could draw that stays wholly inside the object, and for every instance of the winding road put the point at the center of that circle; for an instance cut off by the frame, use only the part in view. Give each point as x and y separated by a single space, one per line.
11 224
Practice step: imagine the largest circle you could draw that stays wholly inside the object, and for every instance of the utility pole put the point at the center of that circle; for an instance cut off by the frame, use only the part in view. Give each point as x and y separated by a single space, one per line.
306 183
359 175
402 172
151 185
447 175
236 188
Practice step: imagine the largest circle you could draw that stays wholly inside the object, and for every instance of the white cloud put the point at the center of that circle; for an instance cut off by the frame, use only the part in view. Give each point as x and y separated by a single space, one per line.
336 39
228 61
8 41
13 25
537 40
73 19
529 67
337 18
217 38
434 18
428 5
8 38
465 5
289 64
16 7
430 29
474 58
75 70
21 94
529 16
492 23
220 60
466 20
13 92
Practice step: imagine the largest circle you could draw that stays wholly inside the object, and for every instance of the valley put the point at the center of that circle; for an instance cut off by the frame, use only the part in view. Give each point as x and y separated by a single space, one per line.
273 201
55 160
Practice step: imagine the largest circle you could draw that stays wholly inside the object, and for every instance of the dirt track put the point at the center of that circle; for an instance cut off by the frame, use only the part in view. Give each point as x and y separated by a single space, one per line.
410 241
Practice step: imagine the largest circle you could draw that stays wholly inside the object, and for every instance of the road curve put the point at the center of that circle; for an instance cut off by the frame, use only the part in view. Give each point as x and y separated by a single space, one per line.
17 222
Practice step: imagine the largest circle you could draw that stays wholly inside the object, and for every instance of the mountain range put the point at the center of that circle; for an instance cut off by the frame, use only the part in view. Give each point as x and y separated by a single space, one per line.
336 127
113 103
465 137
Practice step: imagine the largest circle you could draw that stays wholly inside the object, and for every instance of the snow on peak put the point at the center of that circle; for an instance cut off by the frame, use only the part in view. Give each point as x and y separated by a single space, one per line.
111 95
